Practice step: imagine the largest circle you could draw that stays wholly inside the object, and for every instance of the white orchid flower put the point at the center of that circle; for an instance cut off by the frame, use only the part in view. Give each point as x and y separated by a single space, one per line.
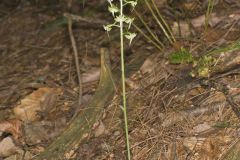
130 36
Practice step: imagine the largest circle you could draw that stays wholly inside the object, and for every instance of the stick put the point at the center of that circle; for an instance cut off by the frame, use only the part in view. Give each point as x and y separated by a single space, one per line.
76 58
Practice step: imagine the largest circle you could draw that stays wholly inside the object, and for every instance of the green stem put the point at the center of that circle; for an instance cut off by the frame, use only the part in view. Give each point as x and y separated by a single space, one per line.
209 11
158 22
148 29
147 37
162 19
123 83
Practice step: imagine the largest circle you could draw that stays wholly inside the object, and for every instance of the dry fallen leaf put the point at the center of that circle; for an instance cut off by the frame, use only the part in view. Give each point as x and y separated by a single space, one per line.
100 129
201 128
39 132
204 148
42 100
90 76
212 35
191 142
8 148
196 91
184 28
14 127
148 66
210 149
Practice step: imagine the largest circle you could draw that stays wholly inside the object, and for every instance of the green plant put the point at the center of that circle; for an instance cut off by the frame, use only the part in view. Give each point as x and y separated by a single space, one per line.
224 124
159 20
208 13
202 67
154 36
119 20
229 48
181 56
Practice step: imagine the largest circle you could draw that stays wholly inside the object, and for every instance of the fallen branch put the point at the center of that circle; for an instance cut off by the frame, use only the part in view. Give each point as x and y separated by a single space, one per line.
75 51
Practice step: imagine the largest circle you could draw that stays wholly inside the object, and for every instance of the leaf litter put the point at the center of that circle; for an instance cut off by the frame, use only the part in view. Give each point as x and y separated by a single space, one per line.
172 115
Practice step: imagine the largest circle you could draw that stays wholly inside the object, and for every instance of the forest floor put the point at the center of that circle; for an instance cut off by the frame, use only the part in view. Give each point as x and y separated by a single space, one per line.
175 110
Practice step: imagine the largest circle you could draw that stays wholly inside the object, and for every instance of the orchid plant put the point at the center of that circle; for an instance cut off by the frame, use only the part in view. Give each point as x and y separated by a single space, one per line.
123 22
120 18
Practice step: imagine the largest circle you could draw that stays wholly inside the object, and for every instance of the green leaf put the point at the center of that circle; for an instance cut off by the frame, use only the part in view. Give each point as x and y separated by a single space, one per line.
180 57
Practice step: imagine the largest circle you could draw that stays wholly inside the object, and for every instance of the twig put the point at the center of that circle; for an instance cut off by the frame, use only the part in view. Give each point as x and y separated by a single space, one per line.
76 58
